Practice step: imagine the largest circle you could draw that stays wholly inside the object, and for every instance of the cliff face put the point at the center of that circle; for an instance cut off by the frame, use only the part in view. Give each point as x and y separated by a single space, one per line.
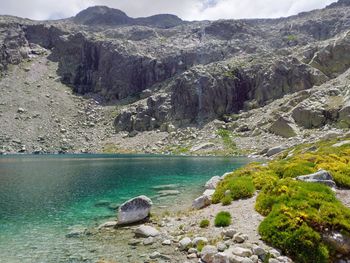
185 73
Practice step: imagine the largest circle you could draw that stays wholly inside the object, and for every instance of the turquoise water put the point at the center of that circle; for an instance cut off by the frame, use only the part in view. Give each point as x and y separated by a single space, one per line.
42 197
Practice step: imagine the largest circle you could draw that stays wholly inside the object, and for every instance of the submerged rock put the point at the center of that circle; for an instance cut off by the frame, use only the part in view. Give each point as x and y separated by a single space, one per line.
134 210
77 231
168 192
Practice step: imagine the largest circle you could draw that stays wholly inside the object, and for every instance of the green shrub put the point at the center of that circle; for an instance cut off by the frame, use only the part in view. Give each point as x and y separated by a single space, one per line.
240 187
204 223
296 212
226 200
222 219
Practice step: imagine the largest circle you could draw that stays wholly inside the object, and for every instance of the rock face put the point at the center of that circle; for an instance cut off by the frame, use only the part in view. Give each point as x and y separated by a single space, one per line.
167 74
321 176
134 210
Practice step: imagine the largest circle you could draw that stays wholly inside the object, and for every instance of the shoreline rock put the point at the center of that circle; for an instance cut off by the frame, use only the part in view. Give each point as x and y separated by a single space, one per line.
134 210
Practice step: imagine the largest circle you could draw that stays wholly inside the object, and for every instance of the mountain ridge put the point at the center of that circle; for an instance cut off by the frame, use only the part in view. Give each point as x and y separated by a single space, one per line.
161 79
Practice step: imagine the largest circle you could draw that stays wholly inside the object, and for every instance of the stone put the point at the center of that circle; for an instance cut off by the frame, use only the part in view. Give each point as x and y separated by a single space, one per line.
340 242
221 247
220 258
21 110
229 232
207 254
202 146
321 176
108 224
146 231
102 203
209 192
185 243
254 258
77 231
134 210
275 150
242 252
339 144
201 202
308 117
274 260
283 127
134 242
259 251
192 250
155 255
213 182
168 192
192 255
166 242
239 238
275 253
148 241
196 240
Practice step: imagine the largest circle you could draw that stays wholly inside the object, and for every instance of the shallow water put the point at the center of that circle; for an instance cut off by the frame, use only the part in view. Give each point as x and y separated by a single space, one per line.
43 197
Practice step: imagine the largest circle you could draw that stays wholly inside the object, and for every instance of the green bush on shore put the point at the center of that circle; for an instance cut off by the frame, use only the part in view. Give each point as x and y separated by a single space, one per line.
297 213
240 187
222 219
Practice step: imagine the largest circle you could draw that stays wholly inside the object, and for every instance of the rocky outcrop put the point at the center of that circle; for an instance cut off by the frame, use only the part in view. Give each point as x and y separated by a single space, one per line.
283 127
134 210
321 176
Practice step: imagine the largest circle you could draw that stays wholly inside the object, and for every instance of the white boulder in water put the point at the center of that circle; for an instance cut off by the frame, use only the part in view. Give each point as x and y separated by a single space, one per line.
134 210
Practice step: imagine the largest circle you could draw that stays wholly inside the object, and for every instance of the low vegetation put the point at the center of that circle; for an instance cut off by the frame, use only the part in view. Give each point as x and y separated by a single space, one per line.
222 219
204 223
297 213
226 200
239 187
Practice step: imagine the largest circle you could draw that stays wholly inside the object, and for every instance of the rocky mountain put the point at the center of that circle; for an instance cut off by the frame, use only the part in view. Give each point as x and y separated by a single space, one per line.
175 84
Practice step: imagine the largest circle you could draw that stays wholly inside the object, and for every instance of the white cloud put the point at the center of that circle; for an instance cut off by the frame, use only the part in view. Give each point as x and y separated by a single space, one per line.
186 9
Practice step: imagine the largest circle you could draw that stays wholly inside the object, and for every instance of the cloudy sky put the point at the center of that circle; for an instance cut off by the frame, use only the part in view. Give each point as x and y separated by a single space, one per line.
186 9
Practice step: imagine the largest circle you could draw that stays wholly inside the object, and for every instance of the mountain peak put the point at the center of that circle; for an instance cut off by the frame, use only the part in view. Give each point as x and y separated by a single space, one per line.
106 16
339 3
102 15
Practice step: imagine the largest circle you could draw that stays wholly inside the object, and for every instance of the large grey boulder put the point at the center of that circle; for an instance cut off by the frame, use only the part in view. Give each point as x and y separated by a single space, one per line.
308 116
283 127
134 210
321 176
185 243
